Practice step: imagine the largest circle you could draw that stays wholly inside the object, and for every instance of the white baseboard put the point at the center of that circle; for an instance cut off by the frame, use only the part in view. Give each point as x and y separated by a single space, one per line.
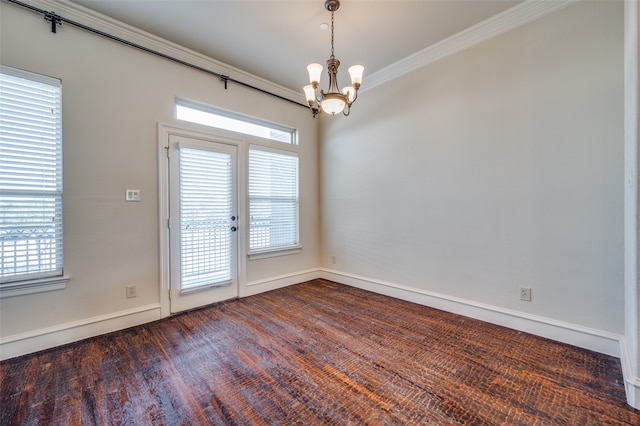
260 286
576 335
592 339
632 390
573 334
45 338
596 340
631 381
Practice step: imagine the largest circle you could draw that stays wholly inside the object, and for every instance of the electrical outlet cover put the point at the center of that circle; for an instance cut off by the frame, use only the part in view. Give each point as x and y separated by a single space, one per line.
131 291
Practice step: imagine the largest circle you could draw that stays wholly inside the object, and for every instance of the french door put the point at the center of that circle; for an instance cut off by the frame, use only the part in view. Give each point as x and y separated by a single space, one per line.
203 222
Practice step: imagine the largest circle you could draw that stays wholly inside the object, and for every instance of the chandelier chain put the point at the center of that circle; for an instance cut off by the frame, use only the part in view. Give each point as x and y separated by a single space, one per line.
332 55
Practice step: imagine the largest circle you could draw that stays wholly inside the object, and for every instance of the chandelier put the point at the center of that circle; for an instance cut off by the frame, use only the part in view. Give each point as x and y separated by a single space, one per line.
332 101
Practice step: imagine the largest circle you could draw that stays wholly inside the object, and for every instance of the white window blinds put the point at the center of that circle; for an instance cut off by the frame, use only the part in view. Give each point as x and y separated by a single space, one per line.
30 176
206 209
273 199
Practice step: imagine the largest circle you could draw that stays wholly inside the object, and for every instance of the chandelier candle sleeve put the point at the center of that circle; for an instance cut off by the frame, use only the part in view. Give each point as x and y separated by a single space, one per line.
355 72
334 100
315 72
310 94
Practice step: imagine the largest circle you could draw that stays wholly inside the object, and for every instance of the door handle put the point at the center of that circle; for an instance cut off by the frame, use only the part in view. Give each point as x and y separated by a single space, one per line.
234 229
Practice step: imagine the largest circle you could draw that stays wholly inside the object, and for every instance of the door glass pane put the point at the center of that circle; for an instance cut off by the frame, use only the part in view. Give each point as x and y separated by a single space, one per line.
205 217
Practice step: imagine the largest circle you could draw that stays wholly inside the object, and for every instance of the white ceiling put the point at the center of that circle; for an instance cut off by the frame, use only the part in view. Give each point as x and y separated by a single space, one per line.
276 40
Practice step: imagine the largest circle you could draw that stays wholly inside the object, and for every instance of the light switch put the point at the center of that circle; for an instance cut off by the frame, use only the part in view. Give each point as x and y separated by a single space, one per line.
132 195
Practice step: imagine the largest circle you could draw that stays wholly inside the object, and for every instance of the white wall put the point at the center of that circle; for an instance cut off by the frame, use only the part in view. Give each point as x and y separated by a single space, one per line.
495 168
498 167
113 98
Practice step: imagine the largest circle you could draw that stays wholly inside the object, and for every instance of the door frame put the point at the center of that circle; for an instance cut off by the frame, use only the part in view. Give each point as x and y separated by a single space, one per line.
165 131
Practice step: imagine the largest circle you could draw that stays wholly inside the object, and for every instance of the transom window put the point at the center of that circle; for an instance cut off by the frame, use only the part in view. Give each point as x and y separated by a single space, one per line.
195 112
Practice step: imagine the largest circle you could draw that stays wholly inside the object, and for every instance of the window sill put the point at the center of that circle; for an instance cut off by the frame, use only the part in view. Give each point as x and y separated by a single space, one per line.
265 254
42 285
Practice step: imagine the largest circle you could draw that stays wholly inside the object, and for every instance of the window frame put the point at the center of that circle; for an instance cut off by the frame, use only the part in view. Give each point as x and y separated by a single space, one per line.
41 281
268 144
235 116
275 250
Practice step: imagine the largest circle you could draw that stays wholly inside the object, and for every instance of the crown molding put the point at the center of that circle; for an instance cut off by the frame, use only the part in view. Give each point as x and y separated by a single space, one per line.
98 21
512 18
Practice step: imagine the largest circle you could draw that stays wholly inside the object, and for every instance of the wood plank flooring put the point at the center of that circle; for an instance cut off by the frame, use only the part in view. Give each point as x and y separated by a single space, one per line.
317 353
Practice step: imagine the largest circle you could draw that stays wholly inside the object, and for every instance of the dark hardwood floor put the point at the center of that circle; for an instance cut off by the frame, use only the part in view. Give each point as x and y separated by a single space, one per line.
315 353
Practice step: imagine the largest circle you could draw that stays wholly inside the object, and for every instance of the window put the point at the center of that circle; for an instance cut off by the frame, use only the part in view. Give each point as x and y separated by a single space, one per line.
273 199
195 112
272 176
206 204
30 177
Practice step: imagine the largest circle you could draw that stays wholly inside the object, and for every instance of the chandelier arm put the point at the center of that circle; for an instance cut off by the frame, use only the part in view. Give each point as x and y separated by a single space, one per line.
349 103
355 96
320 97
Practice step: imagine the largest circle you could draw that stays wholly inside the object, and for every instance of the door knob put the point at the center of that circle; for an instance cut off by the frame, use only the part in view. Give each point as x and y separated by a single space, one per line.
234 229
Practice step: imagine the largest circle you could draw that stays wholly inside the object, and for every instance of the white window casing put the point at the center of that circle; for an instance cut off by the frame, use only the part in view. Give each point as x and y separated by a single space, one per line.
31 246
273 201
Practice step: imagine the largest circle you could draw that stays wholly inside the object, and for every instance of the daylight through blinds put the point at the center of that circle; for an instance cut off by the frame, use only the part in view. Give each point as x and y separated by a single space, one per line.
30 176
205 217
273 199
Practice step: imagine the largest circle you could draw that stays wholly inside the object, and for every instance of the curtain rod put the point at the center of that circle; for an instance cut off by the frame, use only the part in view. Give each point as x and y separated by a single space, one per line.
56 20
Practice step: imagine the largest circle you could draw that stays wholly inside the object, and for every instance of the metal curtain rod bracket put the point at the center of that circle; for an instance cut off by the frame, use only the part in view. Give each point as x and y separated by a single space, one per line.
56 20
225 79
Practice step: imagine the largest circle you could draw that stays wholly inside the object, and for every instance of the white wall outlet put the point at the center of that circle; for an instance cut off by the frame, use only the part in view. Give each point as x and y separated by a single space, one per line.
525 294
132 291
132 195
333 260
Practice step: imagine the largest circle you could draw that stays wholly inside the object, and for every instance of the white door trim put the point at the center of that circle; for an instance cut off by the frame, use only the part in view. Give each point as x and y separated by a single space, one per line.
164 133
